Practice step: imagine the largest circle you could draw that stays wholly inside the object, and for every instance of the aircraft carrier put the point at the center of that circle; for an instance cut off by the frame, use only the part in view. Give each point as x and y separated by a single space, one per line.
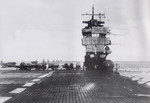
97 82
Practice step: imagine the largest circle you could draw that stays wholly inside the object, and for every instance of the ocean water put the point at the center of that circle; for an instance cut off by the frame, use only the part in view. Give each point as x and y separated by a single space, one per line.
137 71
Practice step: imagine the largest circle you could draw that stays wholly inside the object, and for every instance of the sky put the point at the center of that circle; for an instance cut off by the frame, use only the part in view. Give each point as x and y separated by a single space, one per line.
51 29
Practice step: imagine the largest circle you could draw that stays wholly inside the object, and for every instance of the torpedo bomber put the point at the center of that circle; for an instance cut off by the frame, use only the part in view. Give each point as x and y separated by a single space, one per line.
96 43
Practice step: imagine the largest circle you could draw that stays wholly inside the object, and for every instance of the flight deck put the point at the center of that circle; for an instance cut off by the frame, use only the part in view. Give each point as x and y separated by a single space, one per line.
82 87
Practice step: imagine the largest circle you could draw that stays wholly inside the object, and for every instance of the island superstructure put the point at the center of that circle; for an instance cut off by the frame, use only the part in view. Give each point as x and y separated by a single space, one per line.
96 43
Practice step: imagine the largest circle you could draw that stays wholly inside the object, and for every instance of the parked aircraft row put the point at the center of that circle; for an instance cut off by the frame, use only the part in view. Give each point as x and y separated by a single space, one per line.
34 65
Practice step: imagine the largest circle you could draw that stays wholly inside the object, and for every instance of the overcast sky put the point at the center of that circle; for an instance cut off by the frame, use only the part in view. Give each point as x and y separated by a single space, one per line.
51 29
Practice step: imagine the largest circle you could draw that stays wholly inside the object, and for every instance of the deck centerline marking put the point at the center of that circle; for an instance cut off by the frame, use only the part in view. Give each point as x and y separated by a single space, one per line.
3 99
142 95
46 75
43 76
50 74
28 84
17 90
35 80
